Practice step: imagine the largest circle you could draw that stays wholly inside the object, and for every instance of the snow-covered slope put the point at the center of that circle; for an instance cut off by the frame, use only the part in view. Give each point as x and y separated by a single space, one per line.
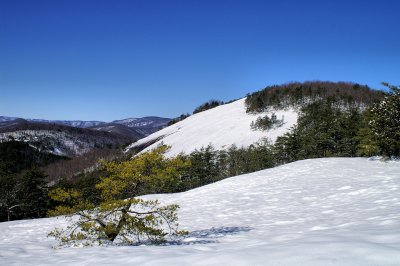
335 211
221 126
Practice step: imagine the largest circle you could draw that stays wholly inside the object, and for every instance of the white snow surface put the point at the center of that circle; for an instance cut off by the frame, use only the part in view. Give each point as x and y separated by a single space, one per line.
221 126
334 211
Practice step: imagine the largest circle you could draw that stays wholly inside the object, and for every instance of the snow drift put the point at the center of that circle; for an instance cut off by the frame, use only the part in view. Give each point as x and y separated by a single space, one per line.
221 126
334 211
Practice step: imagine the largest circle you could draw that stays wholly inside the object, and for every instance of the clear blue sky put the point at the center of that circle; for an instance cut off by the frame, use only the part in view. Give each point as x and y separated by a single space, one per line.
106 60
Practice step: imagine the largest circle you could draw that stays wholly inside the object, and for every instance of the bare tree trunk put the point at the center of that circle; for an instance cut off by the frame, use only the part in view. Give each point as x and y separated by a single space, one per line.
121 223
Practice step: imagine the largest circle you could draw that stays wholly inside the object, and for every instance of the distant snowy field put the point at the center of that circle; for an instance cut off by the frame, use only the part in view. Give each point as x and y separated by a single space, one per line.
335 211
221 126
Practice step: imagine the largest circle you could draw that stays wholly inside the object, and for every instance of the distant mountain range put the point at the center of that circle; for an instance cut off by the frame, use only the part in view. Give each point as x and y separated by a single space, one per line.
73 138
60 139
130 127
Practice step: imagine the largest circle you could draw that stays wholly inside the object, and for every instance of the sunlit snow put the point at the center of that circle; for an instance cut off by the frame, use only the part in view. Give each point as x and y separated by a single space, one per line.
221 126
335 211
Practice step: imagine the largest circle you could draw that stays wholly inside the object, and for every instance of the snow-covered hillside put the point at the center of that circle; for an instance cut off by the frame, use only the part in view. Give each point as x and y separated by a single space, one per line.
334 211
59 143
221 126
65 143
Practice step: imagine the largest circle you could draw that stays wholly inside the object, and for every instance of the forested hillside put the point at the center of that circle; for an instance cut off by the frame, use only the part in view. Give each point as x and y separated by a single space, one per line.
60 139
296 94
338 120
333 119
18 156
23 189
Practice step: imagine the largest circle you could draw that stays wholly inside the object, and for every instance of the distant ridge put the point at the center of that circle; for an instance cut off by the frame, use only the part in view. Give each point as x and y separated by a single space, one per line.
61 139
130 127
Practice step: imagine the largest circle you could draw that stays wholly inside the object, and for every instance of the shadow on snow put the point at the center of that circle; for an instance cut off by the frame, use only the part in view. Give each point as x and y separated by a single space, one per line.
208 236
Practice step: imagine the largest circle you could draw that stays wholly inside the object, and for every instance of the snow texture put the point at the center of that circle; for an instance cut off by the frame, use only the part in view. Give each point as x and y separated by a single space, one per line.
334 211
221 126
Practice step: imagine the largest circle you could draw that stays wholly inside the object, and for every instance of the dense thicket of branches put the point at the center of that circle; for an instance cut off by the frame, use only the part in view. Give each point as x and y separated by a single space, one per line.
178 119
17 156
23 197
299 94
23 189
208 165
385 122
322 130
207 105
267 122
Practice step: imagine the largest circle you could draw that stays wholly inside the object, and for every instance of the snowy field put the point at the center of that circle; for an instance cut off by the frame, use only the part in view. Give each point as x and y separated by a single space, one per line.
336 211
221 126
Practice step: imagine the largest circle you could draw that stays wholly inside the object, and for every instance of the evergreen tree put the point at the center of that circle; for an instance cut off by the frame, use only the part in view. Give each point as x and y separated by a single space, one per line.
204 167
385 122
207 105
117 218
33 194
150 172
9 201
287 147
322 130
367 141
260 156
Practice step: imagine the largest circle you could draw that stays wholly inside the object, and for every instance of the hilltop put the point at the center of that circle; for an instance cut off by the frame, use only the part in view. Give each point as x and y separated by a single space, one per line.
221 127
267 114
